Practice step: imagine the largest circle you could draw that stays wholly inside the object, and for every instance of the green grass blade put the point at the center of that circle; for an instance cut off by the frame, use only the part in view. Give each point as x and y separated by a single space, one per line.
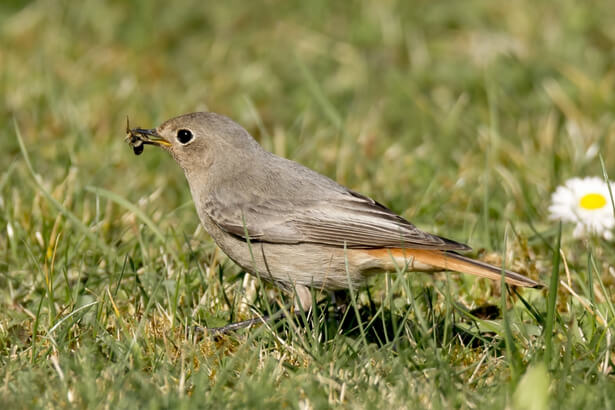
328 109
607 182
553 286
61 208
512 352
138 212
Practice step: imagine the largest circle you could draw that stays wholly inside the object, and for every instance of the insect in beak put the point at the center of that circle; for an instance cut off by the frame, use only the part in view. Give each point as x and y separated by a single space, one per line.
138 137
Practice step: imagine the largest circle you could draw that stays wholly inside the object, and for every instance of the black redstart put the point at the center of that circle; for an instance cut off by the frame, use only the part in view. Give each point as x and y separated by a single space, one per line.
290 224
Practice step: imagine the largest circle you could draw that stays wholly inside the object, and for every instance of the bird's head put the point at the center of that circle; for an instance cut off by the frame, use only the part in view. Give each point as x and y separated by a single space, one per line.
197 140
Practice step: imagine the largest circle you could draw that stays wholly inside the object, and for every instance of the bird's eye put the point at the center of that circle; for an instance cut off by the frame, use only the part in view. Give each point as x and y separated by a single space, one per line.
184 136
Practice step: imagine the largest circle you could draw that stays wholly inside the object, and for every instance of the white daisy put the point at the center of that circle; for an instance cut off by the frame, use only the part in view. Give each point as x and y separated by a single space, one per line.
586 202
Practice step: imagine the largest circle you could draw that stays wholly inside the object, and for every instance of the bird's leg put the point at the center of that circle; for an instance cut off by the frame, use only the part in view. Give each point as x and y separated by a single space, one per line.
303 298
303 301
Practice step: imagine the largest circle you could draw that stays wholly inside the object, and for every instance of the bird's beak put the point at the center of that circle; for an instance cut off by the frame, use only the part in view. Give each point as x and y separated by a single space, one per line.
150 136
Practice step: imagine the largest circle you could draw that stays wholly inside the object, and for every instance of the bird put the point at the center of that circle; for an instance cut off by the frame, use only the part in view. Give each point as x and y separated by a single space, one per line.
291 225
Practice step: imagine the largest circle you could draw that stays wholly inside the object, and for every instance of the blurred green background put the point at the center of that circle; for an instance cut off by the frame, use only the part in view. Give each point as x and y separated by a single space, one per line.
461 116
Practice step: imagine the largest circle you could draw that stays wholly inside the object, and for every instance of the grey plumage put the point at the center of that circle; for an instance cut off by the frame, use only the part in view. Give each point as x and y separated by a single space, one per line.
307 229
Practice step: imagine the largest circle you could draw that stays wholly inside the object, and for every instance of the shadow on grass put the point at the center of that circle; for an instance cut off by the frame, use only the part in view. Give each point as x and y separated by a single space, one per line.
381 326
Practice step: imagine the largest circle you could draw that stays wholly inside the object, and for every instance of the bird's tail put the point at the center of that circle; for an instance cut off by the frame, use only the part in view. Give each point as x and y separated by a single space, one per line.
426 260
453 261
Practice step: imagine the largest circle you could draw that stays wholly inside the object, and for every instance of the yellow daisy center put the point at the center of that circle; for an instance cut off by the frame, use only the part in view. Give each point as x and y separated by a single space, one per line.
592 201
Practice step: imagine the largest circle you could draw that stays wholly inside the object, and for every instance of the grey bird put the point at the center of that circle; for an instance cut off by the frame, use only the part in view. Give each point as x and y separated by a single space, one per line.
291 225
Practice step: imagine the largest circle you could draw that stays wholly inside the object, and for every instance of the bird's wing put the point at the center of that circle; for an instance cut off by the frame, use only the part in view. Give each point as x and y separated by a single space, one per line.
347 220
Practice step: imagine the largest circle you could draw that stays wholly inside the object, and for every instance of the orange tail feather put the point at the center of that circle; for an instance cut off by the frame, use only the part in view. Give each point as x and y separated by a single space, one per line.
454 262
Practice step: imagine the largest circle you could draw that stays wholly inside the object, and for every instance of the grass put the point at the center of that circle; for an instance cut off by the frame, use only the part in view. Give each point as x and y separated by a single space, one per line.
461 116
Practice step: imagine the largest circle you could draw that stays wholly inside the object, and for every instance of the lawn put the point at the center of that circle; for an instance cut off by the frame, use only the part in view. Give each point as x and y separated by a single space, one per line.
463 117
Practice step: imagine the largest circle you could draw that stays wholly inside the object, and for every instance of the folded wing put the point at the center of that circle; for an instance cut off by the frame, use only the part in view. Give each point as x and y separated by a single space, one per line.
347 219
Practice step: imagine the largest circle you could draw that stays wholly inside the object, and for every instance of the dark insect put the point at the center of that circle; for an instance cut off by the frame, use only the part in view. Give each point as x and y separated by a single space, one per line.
137 147
134 140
